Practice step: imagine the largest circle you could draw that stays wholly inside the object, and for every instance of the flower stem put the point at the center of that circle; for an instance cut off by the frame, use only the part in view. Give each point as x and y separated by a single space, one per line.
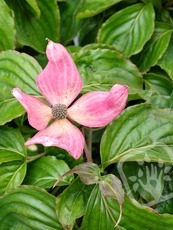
33 158
89 140
87 153
88 143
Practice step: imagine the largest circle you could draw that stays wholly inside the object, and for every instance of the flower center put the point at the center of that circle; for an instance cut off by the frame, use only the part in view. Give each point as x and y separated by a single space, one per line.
59 111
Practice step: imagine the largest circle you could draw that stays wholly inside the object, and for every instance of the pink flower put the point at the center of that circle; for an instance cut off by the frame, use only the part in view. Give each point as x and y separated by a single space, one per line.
60 83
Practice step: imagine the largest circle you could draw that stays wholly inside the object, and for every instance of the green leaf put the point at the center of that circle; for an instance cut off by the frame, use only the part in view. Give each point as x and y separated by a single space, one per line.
34 5
45 171
91 8
155 47
159 83
42 59
140 133
129 29
145 181
103 212
11 175
71 204
102 66
110 186
8 112
12 158
98 214
166 61
89 173
160 101
61 154
71 24
28 208
31 30
87 33
16 70
7 28
167 206
11 145
147 217
156 3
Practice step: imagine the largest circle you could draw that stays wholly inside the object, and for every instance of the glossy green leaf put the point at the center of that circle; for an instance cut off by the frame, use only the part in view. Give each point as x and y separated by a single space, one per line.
7 28
11 175
12 158
16 70
28 208
166 61
31 30
155 47
159 83
160 101
91 8
12 145
140 133
71 24
34 5
8 112
45 171
71 204
102 213
129 29
102 66
99 215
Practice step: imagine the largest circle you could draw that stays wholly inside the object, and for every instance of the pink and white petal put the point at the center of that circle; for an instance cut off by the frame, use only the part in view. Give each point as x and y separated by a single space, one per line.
39 114
97 109
62 134
60 81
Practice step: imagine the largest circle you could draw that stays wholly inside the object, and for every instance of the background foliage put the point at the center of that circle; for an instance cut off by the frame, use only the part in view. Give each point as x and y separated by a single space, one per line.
111 41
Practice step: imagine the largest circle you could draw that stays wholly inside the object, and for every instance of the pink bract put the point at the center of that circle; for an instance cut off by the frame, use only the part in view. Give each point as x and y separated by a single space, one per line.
60 83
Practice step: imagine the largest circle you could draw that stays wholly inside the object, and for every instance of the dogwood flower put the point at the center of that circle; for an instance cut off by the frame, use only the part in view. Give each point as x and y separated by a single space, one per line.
60 83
